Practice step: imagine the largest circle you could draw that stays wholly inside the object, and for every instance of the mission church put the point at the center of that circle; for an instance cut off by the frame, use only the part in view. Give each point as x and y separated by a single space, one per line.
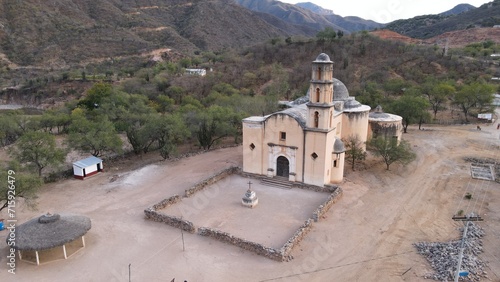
304 142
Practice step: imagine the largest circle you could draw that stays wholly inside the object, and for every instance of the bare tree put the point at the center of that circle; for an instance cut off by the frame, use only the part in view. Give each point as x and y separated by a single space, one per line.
354 150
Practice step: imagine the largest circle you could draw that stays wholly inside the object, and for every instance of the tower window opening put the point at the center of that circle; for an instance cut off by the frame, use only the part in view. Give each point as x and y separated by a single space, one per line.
316 119
317 95
319 73
283 136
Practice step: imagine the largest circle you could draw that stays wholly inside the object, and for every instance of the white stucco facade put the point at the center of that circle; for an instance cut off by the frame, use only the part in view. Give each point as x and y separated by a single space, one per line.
303 143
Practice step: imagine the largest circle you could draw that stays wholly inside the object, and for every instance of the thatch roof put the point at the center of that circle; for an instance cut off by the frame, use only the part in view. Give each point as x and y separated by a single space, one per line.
49 231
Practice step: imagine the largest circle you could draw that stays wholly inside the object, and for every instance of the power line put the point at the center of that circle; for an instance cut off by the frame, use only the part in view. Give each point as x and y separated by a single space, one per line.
337 266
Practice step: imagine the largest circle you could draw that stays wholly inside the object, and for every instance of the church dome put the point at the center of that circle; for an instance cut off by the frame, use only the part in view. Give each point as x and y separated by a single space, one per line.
351 103
323 58
340 92
338 146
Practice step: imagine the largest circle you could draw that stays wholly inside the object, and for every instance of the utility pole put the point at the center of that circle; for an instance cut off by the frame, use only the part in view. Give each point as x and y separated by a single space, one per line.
182 235
461 254
467 219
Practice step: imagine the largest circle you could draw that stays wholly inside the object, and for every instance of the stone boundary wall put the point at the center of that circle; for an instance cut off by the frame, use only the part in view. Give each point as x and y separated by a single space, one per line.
211 180
152 214
242 243
296 238
323 208
325 189
166 203
282 254
173 221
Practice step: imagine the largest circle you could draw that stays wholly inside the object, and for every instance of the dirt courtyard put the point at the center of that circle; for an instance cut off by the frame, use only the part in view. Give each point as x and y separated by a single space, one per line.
272 222
366 236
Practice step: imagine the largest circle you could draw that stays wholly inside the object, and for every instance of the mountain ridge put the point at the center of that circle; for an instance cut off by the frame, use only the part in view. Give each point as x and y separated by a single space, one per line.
65 32
427 26
306 14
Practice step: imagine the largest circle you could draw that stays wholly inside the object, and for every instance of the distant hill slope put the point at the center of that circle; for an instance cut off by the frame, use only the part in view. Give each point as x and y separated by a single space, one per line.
462 38
458 9
58 33
314 8
309 15
391 35
432 25
455 39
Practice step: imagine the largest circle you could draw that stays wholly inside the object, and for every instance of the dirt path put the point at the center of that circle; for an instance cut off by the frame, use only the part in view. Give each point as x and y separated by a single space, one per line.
366 236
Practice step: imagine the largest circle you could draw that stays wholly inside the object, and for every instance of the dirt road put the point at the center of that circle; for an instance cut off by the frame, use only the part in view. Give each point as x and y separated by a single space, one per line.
366 236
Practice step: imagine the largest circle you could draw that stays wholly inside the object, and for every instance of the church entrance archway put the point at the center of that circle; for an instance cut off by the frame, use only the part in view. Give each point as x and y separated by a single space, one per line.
282 167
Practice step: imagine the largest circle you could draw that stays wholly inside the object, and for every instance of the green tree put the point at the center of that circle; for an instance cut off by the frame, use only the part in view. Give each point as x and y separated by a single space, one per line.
54 119
411 108
9 131
437 96
26 186
354 150
327 34
473 95
94 137
371 95
168 131
395 86
136 131
390 151
95 95
214 124
38 149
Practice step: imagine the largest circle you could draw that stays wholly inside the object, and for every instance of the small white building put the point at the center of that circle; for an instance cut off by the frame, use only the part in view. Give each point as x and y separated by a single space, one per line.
87 167
200 72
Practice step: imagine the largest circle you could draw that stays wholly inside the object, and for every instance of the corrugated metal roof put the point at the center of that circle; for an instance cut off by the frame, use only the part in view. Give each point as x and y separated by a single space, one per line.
87 162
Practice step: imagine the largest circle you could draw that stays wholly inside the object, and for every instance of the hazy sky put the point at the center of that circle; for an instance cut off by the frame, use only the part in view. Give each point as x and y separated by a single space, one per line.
384 11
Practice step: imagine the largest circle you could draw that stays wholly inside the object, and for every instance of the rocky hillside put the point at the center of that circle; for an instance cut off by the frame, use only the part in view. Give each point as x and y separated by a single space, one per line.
454 39
309 15
458 18
59 33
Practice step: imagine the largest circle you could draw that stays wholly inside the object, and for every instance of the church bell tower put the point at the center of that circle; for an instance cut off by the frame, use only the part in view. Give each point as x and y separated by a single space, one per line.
320 105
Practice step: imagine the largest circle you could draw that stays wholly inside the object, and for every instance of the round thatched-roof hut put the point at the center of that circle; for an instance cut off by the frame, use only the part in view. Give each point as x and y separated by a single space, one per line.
51 237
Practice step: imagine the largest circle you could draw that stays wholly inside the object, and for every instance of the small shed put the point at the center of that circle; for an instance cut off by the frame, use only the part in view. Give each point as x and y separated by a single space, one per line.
51 237
87 167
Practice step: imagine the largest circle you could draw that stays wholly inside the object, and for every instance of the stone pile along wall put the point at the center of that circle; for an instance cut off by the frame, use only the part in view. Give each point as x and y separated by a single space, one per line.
323 208
209 181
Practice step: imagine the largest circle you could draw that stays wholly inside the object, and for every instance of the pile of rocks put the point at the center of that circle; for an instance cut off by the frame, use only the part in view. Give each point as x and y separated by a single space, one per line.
443 257
487 161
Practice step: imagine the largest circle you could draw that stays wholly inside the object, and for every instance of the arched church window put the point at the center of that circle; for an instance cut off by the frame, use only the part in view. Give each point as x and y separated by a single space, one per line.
319 73
316 119
317 95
